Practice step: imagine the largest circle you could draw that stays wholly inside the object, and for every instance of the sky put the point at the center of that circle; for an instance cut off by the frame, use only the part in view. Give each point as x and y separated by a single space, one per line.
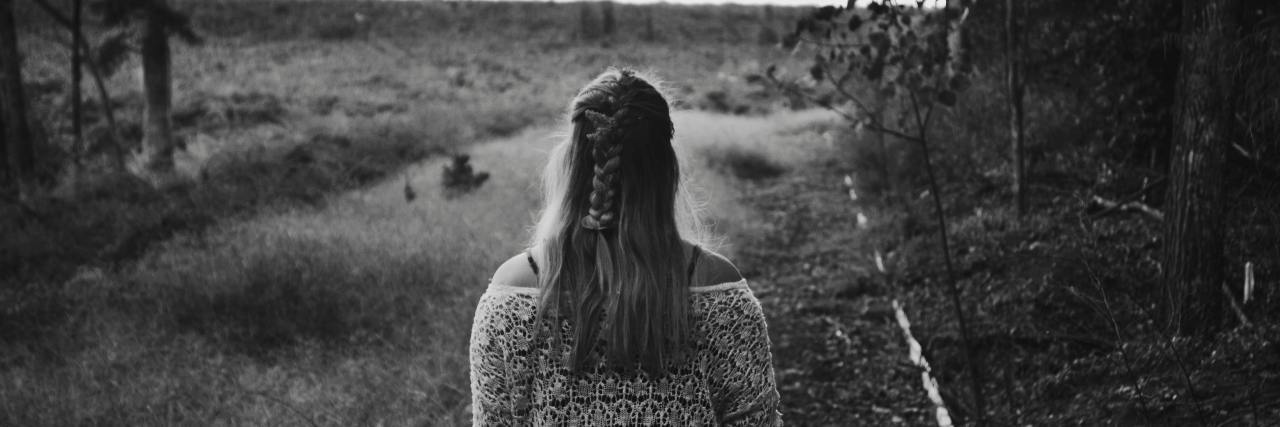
928 3
775 2
784 2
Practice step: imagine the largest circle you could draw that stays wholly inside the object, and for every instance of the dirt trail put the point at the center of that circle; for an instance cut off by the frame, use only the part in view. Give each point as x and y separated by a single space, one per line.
840 359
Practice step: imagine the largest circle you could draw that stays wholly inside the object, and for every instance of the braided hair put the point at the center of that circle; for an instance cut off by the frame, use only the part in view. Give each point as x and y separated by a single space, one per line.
614 254
606 150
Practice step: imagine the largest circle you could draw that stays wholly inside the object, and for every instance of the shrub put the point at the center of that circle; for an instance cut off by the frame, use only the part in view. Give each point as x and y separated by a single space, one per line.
336 31
744 164
459 178
767 36
239 109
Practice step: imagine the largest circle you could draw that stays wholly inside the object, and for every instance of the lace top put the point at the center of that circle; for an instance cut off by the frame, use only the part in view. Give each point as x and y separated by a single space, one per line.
727 381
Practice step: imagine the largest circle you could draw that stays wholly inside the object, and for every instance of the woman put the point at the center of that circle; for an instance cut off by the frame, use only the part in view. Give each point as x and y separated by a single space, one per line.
612 317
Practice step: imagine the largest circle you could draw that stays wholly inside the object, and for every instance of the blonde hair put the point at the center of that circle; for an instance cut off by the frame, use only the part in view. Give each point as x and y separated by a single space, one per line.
613 227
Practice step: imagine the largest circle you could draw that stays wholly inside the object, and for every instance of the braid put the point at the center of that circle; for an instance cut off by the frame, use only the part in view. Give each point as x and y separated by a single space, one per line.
606 151
606 143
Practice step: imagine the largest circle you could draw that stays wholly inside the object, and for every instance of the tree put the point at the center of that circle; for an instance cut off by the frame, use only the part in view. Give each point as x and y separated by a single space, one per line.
18 153
102 59
158 21
1013 80
608 19
157 70
1193 233
77 77
957 11
891 56
587 27
650 34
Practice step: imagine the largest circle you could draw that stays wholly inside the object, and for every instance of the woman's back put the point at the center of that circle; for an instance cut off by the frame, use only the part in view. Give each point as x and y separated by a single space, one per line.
616 329
726 378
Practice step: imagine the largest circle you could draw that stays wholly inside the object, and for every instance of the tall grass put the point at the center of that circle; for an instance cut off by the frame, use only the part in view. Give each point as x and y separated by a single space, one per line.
272 117
357 313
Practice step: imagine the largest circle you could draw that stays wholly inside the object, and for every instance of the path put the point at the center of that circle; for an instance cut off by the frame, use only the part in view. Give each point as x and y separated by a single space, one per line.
840 359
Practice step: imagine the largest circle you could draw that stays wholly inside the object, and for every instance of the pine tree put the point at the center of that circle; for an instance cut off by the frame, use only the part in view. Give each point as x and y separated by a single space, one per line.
1203 118
18 156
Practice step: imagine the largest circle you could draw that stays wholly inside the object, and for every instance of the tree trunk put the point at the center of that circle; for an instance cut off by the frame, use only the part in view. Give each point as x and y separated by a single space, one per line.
1013 79
157 136
609 21
586 23
77 77
1193 234
18 154
890 185
104 101
81 45
957 11
650 34
4 150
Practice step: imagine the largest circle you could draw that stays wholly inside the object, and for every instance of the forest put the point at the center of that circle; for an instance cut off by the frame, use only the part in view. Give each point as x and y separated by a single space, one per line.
989 212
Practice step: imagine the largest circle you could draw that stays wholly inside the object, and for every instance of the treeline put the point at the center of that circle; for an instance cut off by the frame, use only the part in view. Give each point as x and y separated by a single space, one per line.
1179 96
99 46
1069 111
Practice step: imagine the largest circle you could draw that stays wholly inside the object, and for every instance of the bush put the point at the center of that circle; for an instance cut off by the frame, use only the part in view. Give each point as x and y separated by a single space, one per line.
767 36
743 164
336 31
203 110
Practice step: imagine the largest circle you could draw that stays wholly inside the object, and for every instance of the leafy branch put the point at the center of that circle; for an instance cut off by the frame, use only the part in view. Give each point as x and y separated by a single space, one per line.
902 57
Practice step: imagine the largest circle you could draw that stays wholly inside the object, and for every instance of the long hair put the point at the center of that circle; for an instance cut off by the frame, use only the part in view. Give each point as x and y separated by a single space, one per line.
611 229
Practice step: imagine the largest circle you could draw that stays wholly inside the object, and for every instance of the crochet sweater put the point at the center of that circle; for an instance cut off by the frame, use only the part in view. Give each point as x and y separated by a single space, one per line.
727 381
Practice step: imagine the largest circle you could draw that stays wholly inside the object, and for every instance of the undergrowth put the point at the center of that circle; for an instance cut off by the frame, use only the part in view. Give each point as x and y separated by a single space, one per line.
1065 299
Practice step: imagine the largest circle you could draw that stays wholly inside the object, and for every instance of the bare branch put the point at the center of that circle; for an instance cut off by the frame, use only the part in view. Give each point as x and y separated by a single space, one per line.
928 115
892 132
872 122
915 109
830 44
1235 306
56 14
826 72
1110 206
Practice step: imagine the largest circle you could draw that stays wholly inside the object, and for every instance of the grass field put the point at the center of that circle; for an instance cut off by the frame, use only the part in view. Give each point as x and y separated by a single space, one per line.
285 102
353 314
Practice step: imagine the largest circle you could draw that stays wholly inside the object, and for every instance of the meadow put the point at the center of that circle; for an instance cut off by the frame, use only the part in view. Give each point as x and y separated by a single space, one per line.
312 292
285 102
357 313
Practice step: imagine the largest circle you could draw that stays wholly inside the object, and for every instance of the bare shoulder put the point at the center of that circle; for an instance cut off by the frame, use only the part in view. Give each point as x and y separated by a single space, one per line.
516 272
714 268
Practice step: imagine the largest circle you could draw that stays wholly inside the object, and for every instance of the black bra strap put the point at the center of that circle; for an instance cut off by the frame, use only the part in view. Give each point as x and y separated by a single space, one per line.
532 264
